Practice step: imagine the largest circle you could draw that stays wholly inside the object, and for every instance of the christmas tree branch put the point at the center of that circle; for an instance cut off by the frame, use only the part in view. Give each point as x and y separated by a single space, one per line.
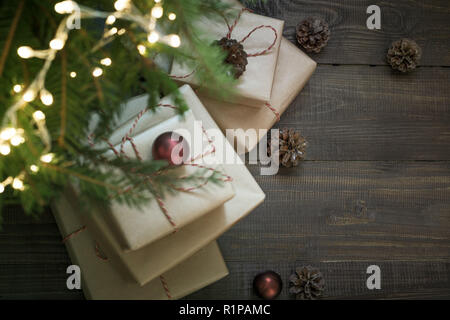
10 36
63 97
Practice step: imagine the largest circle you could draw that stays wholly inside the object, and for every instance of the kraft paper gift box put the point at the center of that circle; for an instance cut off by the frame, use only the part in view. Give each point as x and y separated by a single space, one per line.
254 87
147 263
138 227
100 280
294 68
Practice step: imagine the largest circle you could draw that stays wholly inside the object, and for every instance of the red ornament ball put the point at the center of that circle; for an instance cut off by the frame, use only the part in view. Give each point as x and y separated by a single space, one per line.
172 147
268 285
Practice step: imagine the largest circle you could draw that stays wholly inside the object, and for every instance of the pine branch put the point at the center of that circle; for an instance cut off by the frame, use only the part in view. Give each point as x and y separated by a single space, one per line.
63 97
10 36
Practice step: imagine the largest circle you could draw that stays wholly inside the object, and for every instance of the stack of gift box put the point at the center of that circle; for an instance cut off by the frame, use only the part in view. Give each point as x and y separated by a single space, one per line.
166 248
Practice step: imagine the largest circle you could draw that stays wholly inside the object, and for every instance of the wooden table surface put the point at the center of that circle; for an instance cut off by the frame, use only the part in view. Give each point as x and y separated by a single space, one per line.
375 188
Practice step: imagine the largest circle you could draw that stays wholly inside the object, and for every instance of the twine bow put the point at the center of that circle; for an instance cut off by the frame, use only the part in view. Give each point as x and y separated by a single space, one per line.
228 35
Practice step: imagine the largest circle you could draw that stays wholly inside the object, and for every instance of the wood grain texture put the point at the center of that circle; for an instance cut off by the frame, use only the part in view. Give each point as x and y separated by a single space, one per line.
343 217
371 113
375 188
352 43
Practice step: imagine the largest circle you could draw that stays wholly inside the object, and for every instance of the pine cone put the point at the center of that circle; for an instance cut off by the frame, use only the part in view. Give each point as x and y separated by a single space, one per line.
237 57
292 147
404 55
313 34
307 283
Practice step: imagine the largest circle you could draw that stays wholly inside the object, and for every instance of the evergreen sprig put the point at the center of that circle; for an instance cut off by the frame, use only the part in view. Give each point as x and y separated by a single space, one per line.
77 100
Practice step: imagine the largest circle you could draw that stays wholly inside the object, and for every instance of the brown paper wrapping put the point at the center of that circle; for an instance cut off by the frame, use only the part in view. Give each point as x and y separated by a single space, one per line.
294 69
138 227
101 281
156 258
255 85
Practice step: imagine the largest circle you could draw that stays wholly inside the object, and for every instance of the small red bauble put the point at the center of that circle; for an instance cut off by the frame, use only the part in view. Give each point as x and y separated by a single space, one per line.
268 285
172 147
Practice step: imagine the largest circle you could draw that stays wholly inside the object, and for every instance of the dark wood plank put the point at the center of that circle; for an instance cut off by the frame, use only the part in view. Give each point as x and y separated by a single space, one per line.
33 260
343 217
370 113
427 22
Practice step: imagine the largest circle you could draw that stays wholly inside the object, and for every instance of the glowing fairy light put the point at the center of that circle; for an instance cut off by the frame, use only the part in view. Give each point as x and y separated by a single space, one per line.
29 95
142 49
73 74
17 88
97 72
17 184
7 133
106 61
56 44
157 12
64 7
112 31
47 158
2 188
121 5
17 140
34 168
5 149
174 40
111 19
172 16
38 116
153 37
121 31
25 52
46 97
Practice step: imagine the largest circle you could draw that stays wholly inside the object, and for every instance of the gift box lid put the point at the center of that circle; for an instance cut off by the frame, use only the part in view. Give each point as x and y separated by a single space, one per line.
138 227
255 85
100 280
156 258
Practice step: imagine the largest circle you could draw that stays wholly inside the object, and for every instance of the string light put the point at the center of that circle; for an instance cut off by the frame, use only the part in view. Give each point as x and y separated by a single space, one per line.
47 158
111 19
172 16
142 49
34 168
7 133
97 72
38 116
174 40
5 149
73 74
157 1
17 140
153 37
56 44
65 7
25 52
29 95
121 5
17 184
157 12
121 31
2 188
106 61
46 97
17 88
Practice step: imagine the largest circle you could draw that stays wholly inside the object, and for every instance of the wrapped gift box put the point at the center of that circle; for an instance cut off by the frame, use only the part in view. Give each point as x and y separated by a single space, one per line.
254 87
100 280
294 68
156 258
138 227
